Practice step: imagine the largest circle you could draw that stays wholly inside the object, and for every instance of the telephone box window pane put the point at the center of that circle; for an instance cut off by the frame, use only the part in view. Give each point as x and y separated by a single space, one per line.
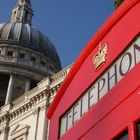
138 130
122 136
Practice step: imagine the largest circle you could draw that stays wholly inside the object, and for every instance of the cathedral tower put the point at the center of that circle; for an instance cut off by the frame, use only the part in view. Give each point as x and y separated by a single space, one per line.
26 55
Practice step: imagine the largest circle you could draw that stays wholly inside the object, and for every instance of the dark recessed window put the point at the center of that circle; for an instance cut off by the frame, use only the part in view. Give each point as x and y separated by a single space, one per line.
22 55
51 68
138 130
26 15
122 136
33 59
10 53
42 63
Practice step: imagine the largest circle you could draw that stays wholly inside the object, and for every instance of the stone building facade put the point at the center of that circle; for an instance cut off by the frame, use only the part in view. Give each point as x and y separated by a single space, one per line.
30 76
24 118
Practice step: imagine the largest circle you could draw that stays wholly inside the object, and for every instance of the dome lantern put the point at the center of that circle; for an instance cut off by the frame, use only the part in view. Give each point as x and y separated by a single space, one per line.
22 12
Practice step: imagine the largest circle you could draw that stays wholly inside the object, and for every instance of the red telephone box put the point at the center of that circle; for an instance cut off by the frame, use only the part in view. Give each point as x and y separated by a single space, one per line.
100 98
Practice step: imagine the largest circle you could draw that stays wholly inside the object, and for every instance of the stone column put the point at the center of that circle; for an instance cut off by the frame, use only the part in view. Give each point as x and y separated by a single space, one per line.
15 55
27 85
3 51
9 89
37 115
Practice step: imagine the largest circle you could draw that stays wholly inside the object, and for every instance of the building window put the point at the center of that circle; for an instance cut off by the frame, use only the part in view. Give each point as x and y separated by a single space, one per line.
26 15
138 130
122 136
22 55
10 53
51 68
33 59
42 63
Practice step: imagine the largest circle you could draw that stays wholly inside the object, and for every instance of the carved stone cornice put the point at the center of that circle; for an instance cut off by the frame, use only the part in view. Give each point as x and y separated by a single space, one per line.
5 118
60 75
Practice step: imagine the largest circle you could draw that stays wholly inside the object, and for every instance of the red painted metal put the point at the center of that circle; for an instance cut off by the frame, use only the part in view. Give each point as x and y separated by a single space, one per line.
120 106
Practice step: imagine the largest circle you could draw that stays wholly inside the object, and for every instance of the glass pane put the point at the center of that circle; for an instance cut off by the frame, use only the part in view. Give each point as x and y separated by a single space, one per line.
138 130
122 136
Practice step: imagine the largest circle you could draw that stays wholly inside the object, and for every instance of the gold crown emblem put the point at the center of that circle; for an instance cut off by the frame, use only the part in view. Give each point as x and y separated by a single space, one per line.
100 57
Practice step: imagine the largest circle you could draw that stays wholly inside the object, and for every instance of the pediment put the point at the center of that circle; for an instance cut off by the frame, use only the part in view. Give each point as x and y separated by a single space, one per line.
19 127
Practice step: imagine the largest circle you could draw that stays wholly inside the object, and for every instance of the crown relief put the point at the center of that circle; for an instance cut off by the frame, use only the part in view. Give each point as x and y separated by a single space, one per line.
100 57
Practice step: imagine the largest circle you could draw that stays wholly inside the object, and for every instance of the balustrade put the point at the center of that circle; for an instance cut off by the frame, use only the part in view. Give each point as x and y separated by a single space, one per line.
21 61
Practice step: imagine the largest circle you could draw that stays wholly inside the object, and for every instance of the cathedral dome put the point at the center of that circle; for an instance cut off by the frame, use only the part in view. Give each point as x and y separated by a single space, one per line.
26 55
25 35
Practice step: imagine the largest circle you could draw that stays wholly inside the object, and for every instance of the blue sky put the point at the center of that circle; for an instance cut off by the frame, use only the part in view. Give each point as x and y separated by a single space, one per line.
69 24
